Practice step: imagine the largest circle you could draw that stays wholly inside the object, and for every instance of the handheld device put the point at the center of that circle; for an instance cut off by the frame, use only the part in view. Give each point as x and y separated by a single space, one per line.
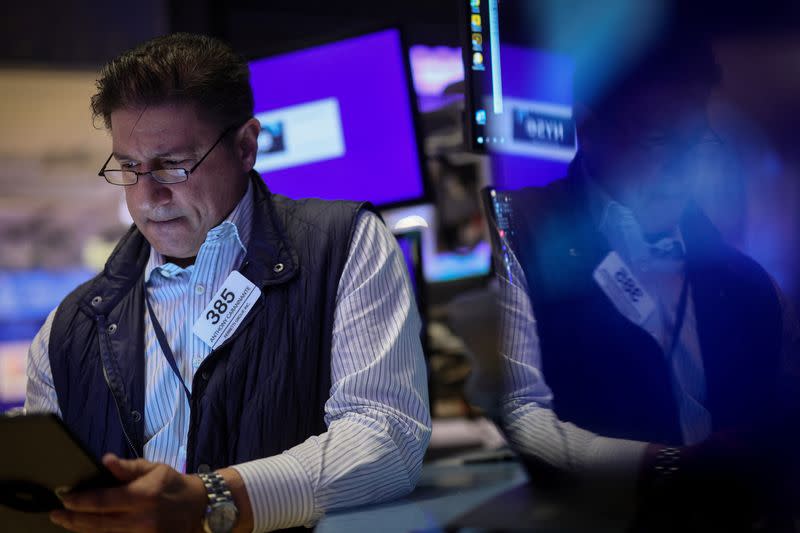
40 458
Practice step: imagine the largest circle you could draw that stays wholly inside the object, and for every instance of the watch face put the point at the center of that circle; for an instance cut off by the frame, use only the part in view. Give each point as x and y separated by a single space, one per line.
222 517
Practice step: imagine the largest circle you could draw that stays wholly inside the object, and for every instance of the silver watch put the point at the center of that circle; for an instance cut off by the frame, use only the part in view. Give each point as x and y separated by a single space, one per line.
221 513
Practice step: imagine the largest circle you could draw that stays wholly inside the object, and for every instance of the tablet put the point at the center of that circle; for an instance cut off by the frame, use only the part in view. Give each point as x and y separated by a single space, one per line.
39 456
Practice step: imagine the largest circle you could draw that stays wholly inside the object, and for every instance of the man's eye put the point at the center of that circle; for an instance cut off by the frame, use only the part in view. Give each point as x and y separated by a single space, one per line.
173 163
128 164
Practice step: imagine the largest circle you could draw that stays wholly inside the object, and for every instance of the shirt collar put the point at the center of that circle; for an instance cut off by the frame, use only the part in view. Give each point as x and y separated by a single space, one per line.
237 225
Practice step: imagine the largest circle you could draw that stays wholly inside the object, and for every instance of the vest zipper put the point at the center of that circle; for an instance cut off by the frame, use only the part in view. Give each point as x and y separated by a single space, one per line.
119 414
101 329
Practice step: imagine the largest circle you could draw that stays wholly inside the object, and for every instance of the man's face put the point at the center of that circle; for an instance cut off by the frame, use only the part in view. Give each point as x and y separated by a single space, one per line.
176 218
646 154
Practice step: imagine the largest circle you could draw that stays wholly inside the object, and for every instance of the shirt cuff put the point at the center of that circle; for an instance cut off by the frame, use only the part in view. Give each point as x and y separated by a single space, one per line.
615 465
616 456
280 492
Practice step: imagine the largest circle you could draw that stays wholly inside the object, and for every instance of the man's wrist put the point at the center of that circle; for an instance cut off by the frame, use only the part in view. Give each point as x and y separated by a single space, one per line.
235 483
200 497
660 472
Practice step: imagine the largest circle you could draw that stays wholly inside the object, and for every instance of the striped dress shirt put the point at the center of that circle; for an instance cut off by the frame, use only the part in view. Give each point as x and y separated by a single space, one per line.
377 414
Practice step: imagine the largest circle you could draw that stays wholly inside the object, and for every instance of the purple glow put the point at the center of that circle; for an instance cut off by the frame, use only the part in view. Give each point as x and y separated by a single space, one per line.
434 68
366 78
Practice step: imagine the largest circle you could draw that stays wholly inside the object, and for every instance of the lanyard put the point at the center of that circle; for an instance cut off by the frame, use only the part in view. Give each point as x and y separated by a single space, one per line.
162 341
680 315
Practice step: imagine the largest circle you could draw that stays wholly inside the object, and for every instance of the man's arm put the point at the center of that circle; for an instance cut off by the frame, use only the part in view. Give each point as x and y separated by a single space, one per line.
40 393
530 423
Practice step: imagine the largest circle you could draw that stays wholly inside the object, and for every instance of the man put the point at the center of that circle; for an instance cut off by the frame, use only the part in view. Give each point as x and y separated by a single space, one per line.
229 325
656 358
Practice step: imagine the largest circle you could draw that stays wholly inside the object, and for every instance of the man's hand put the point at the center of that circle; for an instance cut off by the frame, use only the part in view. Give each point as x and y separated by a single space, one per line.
154 497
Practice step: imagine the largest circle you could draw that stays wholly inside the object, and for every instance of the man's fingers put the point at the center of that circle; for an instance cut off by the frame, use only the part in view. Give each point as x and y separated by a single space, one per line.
90 522
101 500
113 499
127 470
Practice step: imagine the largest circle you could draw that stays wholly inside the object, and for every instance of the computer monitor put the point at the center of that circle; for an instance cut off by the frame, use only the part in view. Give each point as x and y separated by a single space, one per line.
439 265
339 121
519 94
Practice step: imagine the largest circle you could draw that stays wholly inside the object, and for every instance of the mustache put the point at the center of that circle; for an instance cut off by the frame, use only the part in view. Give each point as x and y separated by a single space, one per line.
163 214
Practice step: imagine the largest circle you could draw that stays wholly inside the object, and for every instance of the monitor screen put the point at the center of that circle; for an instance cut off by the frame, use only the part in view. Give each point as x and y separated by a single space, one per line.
519 95
439 265
26 298
338 121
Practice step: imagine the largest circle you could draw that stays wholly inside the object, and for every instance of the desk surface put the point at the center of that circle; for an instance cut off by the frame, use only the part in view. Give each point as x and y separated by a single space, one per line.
443 493
496 496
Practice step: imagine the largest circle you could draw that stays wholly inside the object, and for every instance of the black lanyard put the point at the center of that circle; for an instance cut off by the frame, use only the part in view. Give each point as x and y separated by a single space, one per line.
162 341
680 315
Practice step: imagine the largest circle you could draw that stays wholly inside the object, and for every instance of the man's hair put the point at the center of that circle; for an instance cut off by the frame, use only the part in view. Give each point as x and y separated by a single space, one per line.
177 69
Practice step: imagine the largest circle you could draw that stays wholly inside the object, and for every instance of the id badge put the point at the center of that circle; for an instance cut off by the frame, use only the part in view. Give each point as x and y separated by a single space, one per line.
228 307
623 289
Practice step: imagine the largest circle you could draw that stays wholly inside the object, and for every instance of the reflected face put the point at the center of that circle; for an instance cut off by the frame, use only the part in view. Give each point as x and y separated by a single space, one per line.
175 218
646 155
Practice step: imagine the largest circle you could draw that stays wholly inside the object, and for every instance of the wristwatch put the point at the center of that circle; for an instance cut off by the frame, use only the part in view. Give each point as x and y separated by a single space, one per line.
221 513
666 467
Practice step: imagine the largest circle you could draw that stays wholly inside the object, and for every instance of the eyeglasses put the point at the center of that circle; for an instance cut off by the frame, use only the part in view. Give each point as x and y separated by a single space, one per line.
166 176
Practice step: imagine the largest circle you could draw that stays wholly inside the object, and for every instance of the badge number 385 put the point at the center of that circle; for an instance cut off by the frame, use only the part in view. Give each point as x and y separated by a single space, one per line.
220 306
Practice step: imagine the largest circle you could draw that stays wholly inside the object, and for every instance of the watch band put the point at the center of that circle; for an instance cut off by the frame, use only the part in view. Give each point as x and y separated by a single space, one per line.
221 512
666 465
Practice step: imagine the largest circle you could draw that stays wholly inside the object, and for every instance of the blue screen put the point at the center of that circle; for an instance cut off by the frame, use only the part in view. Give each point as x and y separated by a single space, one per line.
338 123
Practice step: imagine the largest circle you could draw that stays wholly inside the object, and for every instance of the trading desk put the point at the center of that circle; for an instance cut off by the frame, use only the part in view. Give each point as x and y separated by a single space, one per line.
476 497
444 492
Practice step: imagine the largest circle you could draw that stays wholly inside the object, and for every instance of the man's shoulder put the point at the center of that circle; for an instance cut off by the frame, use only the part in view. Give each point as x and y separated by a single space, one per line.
69 310
311 207
712 256
551 213
325 216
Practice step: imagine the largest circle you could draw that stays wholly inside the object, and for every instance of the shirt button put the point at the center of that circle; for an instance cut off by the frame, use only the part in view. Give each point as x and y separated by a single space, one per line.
199 289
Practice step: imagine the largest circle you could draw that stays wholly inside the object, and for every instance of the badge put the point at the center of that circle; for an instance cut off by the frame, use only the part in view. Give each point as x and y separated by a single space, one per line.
623 289
226 310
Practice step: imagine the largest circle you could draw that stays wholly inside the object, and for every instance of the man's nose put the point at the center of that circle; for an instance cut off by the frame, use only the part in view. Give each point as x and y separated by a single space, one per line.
155 191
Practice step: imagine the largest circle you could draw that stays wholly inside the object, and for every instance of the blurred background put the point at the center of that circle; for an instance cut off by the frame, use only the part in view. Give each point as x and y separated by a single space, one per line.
402 125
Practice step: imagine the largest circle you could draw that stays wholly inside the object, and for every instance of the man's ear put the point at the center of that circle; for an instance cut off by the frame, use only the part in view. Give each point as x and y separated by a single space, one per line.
247 143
